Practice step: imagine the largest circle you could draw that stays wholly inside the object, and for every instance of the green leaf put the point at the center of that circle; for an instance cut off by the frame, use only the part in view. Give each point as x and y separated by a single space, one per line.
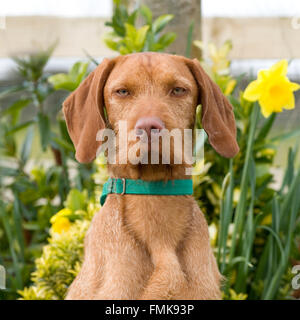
44 128
91 58
161 22
150 42
76 200
18 225
111 44
78 71
128 44
20 127
286 136
123 50
132 18
190 40
64 144
146 13
31 66
289 171
265 129
9 172
27 145
118 28
62 81
165 40
15 109
10 237
17 106
131 31
140 38
11 91
241 206
120 17
72 80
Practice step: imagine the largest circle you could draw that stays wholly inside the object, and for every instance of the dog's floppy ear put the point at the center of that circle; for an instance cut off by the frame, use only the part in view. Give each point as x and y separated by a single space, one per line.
217 113
84 112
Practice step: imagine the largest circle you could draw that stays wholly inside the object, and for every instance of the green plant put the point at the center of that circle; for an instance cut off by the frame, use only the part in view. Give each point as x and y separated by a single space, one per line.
256 222
61 259
127 38
30 194
70 81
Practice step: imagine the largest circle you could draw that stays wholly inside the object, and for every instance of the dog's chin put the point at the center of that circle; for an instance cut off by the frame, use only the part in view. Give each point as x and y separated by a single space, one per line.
148 155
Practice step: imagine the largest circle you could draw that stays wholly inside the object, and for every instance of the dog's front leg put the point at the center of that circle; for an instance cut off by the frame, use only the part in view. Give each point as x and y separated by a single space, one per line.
167 279
90 275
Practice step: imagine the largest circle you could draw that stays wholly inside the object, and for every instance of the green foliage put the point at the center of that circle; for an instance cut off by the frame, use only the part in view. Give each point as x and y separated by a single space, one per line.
71 80
64 255
24 220
31 66
258 249
61 259
128 38
256 220
76 200
31 194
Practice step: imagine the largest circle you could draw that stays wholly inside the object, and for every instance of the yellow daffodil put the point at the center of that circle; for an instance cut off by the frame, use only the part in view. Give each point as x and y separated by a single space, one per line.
62 213
219 57
60 221
61 224
229 87
272 89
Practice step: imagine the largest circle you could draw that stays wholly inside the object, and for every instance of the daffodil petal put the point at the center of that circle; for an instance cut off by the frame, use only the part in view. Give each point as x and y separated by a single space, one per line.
213 50
290 103
230 86
265 112
262 75
253 91
280 68
294 86
225 49
265 108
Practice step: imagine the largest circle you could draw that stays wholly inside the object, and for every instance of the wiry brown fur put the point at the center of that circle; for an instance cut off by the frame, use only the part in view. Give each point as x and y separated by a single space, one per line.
148 247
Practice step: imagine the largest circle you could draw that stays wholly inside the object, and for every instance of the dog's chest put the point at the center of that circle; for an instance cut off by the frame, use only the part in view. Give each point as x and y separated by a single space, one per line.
154 220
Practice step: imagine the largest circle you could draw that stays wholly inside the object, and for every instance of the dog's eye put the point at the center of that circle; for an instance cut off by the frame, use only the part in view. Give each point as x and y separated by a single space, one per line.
178 91
122 92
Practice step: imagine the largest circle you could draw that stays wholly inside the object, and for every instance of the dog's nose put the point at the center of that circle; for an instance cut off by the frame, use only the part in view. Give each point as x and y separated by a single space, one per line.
148 124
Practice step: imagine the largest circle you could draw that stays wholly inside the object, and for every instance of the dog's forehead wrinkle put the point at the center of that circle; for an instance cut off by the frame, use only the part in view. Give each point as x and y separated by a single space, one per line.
146 72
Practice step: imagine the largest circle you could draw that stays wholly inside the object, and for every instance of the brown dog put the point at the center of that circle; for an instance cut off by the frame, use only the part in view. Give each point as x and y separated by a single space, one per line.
146 246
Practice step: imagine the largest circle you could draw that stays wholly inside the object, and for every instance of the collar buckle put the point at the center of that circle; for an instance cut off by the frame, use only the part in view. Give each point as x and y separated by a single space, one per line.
124 186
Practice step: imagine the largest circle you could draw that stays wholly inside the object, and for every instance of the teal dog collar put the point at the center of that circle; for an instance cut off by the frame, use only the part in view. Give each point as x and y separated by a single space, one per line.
162 188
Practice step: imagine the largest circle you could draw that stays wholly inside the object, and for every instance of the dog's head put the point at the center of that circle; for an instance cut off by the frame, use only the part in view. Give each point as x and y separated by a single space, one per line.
149 91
